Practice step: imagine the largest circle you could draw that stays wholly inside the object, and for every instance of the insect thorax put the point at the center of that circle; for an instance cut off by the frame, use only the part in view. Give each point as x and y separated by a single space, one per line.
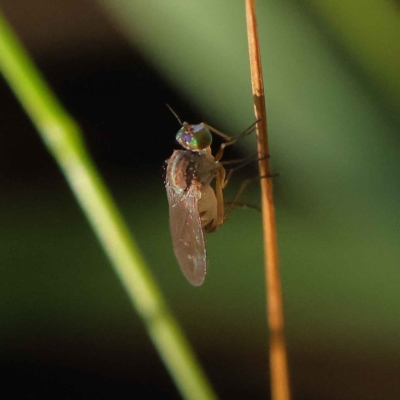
189 170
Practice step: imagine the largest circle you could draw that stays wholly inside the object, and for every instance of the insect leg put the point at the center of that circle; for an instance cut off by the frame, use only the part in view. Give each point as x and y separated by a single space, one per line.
233 140
238 194
242 188
231 205
219 181
243 164
217 132
238 160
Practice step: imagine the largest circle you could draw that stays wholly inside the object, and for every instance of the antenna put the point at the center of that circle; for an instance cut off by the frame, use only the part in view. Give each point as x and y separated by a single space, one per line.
173 112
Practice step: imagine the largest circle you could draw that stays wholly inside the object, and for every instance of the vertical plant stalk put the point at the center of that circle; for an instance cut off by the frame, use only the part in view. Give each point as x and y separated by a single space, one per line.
280 389
64 141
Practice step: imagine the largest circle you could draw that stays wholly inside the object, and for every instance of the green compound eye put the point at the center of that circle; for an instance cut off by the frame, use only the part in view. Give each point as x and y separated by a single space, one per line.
194 137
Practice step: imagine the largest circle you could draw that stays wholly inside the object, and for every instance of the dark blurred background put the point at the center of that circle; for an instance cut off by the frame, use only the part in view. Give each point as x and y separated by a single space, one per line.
331 73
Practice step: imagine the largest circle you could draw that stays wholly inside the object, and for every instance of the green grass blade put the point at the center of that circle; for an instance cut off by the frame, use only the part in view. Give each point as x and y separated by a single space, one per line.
64 140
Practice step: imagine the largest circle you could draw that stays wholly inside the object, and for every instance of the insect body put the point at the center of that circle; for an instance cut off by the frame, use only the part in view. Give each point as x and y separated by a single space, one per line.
194 206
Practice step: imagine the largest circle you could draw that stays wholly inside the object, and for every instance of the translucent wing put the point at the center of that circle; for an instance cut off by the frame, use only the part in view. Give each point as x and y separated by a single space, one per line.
187 235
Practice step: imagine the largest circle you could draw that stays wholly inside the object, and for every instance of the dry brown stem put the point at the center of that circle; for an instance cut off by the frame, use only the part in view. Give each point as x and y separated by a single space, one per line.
278 360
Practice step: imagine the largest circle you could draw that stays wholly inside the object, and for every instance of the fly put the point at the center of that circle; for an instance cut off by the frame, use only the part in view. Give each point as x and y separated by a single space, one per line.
195 208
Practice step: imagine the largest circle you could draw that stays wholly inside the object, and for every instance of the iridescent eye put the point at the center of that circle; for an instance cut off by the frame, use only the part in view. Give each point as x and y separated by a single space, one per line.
194 137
